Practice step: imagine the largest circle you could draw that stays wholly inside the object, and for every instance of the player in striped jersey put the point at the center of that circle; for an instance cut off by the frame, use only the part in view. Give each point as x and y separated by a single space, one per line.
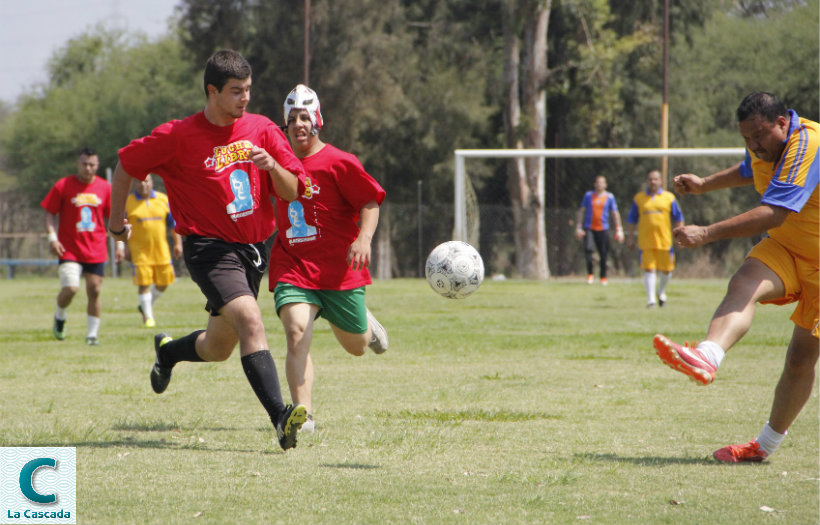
783 162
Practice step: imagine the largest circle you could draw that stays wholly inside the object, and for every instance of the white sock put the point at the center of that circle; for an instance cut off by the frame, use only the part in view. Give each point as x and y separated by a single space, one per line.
155 294
93 326
712 352
649 284
145 304
60 314
663 280
769 439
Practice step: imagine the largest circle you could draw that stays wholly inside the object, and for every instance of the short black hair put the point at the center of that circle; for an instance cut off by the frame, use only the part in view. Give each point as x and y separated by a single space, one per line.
224 65
762 104
88 152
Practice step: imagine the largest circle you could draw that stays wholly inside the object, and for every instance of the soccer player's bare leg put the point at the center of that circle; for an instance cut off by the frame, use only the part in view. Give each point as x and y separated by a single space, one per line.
297 320
238 321
66 295
752 283
796 382
93 286
354 344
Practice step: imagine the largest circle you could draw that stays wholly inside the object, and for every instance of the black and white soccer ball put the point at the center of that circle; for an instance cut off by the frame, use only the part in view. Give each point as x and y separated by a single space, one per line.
454 269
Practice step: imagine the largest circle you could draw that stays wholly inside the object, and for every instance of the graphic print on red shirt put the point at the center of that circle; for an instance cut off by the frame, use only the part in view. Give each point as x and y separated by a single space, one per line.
213 187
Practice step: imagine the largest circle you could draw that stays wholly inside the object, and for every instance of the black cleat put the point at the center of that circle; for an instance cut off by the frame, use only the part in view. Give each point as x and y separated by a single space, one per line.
58 329
160 375
289 424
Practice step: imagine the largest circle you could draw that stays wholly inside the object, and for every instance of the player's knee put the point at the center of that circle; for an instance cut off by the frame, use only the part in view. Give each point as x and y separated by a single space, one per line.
357 351
355 344
801 361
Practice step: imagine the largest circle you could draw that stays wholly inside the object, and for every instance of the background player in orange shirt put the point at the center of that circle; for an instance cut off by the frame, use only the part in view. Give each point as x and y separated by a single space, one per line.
592 222
150 217
783 162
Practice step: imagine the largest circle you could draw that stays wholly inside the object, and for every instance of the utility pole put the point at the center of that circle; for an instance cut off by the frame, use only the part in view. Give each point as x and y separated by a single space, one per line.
307 43
665 106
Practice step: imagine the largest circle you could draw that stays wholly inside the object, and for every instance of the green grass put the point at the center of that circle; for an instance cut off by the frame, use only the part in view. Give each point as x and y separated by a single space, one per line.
525 403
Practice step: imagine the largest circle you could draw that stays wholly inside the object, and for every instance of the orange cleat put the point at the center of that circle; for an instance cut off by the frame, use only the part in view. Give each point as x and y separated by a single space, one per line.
685 359
750 451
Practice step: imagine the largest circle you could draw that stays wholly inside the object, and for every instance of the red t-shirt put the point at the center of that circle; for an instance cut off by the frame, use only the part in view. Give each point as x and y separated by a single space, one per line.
316 230
83 209
213 188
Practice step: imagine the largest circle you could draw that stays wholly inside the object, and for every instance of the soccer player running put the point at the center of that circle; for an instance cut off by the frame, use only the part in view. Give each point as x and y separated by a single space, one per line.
592 221
220 167
149 215
78 238
654 212
782 162
319 264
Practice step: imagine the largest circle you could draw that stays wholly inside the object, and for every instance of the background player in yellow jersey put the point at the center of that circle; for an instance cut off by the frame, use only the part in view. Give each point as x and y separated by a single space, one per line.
653 212
150 217
783 162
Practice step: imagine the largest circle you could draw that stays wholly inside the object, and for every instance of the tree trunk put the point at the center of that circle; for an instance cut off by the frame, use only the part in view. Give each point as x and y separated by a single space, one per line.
383 255
525 117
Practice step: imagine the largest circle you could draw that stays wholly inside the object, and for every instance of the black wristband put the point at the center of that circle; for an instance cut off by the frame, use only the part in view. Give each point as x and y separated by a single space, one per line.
119 232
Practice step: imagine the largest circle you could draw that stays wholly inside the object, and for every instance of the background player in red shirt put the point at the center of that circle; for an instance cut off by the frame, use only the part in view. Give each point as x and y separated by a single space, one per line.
78 238
220 167
321 255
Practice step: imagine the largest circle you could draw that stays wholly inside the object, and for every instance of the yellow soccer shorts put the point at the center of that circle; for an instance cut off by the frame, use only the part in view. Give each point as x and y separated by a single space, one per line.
159 274
800 279
660 260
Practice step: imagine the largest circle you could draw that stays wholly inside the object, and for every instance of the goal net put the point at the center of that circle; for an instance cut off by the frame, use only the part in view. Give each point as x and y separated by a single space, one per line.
474 222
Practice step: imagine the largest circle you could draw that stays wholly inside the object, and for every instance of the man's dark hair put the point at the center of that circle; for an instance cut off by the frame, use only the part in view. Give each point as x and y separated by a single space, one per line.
88 152
224 65
762 104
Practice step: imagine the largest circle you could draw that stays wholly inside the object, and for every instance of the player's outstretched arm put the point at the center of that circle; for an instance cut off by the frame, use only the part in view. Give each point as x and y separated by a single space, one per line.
285 183
691 184
753 222
118 226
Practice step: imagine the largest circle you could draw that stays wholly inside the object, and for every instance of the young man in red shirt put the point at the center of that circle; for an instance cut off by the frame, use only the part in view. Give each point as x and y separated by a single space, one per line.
321 254
220 167
77 237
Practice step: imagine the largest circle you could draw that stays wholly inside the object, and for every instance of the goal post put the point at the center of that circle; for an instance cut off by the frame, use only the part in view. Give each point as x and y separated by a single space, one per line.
460 176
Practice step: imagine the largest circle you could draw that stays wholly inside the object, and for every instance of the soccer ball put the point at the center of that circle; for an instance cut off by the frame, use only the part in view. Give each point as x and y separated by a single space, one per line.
454 269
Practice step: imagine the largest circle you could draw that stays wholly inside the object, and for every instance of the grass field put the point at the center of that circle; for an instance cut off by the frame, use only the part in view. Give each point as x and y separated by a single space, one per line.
525 403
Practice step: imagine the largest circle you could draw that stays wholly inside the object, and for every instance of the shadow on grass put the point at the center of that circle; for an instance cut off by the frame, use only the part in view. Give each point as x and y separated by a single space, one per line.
147 444
352 466
162 426
647 461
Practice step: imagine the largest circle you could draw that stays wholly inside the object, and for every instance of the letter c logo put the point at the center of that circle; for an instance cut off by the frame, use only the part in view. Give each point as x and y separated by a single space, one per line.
27 480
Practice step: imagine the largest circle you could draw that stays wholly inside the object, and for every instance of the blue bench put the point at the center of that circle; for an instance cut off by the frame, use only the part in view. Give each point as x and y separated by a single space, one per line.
11 264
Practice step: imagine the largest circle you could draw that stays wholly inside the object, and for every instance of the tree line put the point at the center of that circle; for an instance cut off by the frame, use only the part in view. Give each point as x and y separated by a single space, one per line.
404 83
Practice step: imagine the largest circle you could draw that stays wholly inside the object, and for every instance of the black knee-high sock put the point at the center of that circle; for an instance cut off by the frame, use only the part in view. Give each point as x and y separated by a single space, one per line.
182 349
261 373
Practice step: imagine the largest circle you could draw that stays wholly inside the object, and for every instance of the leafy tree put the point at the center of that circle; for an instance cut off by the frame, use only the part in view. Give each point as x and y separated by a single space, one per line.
105 89
704 96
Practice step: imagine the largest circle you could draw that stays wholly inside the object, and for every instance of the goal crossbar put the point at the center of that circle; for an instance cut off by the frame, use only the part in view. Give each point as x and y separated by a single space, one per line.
460 210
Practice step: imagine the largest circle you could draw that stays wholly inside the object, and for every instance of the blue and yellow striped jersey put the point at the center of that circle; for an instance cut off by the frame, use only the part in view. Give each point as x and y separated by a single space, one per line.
792 183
